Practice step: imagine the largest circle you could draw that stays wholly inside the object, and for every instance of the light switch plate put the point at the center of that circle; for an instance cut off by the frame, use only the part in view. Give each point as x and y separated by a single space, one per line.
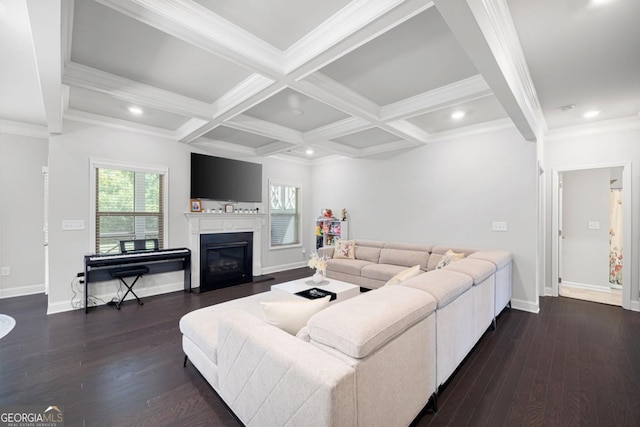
72 224
593 225
499 226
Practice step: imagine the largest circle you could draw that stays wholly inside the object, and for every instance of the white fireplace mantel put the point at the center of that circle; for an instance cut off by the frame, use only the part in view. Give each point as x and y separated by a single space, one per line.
208 223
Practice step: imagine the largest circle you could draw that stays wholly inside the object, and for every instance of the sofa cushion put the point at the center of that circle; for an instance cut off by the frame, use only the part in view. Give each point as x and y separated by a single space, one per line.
291 316
201 326
497 257
358 326
382 272
478 269
444 285
404 275
403 257
367 253
344 249
348 266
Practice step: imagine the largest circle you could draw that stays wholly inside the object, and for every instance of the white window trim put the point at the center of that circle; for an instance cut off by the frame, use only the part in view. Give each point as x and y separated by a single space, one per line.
95 163
300 235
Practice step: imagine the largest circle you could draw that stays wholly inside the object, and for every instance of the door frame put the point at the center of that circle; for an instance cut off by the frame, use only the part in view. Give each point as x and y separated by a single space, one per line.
627 225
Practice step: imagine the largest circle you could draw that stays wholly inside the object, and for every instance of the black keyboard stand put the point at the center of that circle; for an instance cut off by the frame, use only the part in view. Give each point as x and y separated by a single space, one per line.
121 273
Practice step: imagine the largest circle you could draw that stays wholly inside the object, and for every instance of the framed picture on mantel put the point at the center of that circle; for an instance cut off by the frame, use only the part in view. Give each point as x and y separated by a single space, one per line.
228 208
196 205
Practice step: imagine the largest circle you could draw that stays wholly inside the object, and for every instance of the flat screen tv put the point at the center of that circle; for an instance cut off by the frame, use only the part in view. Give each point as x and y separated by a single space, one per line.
217 178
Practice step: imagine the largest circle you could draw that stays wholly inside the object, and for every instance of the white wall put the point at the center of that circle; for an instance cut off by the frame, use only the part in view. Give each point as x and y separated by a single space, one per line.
444 193
585 251
588 150
69 174
22 213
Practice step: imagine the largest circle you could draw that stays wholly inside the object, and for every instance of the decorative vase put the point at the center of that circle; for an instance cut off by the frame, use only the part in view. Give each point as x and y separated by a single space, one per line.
318 277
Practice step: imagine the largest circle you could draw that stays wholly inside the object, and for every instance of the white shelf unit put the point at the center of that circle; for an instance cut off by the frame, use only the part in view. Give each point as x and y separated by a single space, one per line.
332 229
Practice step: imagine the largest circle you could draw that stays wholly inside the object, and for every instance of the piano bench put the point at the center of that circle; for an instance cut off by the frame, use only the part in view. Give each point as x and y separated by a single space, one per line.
129 271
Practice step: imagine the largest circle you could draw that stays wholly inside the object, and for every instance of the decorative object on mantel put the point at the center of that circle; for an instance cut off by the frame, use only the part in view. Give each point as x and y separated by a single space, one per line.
344 214
196 205
228 208
320 264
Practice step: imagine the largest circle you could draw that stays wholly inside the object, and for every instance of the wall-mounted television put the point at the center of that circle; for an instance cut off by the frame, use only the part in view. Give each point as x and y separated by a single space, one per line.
217 178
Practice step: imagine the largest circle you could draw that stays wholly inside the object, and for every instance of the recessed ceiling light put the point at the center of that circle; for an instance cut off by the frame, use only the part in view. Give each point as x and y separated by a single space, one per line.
135 110
297 111
591 114
457 115
569 107
309 151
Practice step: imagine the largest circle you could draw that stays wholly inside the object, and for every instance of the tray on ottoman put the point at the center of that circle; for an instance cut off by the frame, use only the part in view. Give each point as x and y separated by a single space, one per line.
315 293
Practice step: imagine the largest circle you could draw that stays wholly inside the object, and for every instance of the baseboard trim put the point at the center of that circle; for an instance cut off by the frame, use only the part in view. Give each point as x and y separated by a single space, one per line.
523 305
284 267
21 291
60 307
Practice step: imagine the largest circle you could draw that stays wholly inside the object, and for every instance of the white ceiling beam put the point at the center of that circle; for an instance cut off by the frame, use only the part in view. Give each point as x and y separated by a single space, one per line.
45 20
263 128
407 130
437 99
78 75
192 126
485 30
386 148
225 146
99 120
356 24
338 148
197 25
337 129
275 147
24 129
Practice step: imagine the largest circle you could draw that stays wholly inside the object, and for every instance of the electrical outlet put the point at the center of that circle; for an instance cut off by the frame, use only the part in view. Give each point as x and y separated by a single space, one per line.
6 271
499 226
304 251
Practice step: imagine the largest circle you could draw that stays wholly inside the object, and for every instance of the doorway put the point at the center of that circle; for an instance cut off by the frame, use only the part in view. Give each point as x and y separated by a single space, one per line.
591 241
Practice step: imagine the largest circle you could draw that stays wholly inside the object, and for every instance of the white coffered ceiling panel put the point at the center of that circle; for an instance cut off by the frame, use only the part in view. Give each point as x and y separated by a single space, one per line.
109 41
108 106
296 111
583 54
278 22
417 56
367 138
481 110
245 139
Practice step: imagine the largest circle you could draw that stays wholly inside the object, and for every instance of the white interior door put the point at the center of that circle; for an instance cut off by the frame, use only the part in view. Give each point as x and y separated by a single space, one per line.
45 229
560 235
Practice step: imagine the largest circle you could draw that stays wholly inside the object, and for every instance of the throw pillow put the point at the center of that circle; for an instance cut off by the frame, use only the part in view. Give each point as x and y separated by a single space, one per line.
404 275
291 316
345 249
448 258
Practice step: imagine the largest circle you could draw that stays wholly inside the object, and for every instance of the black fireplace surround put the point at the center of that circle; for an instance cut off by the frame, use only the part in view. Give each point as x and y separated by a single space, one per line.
226 259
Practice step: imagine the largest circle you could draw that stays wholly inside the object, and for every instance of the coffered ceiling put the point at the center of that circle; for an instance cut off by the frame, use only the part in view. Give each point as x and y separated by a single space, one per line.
353 78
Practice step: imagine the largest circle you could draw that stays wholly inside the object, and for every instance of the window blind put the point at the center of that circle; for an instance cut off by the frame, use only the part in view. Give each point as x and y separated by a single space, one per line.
284 212
129 205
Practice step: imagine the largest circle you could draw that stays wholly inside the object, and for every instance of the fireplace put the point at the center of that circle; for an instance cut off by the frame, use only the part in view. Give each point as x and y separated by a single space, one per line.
226 259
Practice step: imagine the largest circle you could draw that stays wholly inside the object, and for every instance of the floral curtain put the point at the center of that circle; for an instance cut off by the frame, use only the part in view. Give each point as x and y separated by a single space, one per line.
615 239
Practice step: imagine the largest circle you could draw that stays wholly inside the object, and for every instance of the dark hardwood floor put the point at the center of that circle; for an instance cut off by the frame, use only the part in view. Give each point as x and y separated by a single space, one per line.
575 363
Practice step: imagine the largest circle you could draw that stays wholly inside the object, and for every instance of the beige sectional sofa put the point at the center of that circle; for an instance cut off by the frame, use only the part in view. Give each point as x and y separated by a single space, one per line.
372 360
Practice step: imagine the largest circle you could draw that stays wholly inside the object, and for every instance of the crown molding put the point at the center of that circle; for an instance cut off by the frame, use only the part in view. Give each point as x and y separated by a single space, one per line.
244 91
23 129
185 132
274 147
467 131
81 76
471 88
291 158
338 129
338 148
408 131
260 127
386 148
225 146
354 25
604 126
324 89
113 123
197 25
508 52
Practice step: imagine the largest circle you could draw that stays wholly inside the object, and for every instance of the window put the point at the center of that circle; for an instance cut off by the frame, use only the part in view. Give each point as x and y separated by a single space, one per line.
284 215
129 205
